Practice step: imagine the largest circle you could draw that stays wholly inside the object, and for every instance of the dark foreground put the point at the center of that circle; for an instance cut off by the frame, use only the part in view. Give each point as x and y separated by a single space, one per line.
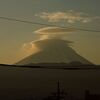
20 83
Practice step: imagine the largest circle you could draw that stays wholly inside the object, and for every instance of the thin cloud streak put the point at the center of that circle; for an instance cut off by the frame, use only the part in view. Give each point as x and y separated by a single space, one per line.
53 32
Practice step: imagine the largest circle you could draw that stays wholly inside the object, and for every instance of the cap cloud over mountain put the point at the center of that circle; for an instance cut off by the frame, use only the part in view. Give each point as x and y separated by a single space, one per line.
54 51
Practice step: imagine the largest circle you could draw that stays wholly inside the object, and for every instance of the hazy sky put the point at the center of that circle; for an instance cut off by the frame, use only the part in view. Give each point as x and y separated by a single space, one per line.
76 13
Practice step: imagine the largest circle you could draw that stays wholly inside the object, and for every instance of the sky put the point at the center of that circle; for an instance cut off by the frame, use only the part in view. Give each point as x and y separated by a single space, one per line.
83 14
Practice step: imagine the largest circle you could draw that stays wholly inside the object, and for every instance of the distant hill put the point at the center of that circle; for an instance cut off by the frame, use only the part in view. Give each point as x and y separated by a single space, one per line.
63 66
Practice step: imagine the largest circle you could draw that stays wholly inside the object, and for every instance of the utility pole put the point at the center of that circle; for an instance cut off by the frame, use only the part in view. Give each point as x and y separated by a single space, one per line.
60 93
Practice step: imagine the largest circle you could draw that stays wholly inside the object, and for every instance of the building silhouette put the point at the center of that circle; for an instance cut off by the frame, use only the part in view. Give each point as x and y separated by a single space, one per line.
89 96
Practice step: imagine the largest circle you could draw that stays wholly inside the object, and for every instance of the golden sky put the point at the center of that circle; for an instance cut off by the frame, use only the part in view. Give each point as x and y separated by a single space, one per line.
74 13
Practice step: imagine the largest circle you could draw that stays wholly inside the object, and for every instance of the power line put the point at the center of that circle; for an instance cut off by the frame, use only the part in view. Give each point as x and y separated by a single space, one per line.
43 24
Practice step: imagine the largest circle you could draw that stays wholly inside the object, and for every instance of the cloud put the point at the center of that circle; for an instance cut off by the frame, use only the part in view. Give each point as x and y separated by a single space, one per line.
45 33
29 48
53 32
69 16
32 47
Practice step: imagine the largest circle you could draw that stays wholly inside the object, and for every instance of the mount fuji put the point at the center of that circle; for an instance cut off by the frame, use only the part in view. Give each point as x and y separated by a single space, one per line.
54 51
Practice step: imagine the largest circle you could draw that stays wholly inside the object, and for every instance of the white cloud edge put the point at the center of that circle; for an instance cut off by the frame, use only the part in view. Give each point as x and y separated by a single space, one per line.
69 16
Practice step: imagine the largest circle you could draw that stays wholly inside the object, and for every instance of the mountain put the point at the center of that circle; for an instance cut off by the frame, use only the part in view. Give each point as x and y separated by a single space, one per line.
54 51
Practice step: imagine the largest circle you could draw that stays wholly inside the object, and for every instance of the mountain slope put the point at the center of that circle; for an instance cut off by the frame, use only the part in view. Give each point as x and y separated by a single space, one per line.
54 51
